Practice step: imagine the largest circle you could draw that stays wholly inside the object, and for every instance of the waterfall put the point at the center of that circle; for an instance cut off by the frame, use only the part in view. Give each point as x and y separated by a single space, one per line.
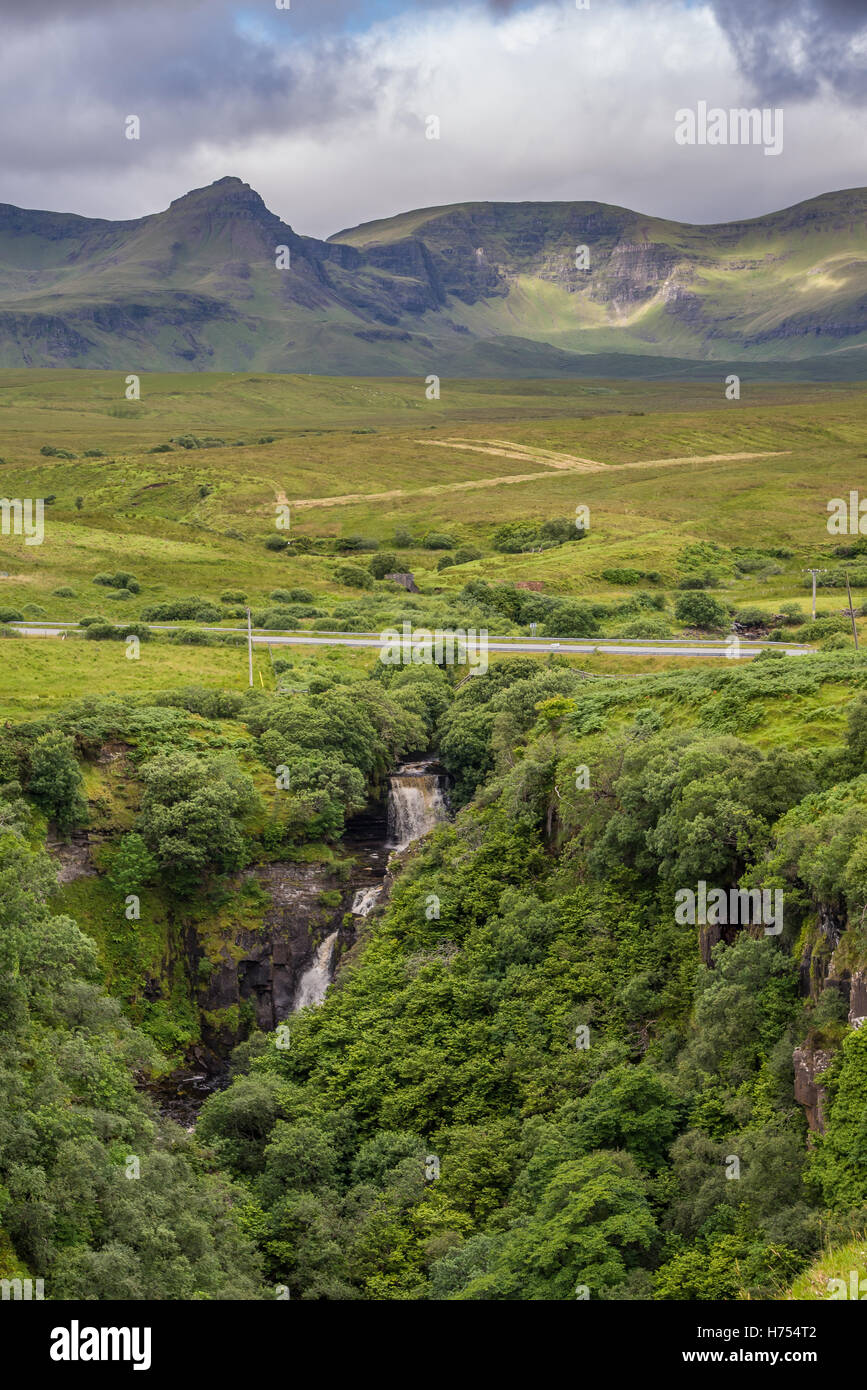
316 979
415 803
365 901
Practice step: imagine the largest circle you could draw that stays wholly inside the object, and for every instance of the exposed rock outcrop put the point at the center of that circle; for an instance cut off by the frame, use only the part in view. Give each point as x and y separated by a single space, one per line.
809 1092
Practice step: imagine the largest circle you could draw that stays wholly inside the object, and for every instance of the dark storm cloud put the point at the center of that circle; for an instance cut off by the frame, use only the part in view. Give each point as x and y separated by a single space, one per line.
792 48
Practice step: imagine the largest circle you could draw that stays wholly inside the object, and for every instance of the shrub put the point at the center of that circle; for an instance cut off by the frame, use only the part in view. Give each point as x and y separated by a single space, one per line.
558 531
100 631
122 580
622 576
384 563
701 610
354 543
55 780
276 543
571 620
403 538
194 610
438 540
752 617
446 562
63 592
233 596
34 610
465 554
650 627
10 615
300 596
514 537
353 576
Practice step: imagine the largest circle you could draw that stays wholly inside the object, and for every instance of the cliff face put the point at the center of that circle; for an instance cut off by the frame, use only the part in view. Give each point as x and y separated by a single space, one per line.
255 978
809 1092
475 289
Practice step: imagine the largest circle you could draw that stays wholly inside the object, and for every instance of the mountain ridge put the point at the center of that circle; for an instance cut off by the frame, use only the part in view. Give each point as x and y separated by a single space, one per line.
483 288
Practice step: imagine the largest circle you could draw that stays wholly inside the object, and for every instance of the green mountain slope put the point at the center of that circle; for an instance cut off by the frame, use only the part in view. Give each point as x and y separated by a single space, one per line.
472 289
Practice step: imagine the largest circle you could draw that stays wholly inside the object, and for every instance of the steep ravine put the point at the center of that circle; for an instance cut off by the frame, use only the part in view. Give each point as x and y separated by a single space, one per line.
287 963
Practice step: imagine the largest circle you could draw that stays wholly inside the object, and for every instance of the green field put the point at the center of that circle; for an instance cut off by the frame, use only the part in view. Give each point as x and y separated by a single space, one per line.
362 458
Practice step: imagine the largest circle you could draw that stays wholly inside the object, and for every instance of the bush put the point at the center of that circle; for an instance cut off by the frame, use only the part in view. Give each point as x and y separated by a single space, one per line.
353 576
648 628
120 594
300 596
280 596
699 609
752 617
403 538
194 610
63 592
34 610
559 531
100 631
122 580
438 540
233 596
384 563
514 537
623 576
465 554
276 543
446 562
571 620
10 615
355 543
55 780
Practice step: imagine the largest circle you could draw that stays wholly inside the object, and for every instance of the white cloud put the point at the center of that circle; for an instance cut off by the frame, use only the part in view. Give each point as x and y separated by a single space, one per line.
547 103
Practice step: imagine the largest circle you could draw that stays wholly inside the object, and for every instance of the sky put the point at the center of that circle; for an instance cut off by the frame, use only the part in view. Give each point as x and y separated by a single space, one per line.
323 106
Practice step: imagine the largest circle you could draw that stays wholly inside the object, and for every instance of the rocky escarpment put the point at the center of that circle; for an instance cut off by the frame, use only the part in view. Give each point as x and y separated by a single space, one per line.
829 961
250 978
809 1066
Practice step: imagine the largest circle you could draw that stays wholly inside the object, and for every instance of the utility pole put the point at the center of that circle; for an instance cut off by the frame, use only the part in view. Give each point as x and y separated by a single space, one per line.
814 573
851 611
250 643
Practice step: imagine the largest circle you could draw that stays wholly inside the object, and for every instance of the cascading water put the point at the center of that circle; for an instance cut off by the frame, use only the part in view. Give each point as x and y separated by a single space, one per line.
316 979
365 901
415 803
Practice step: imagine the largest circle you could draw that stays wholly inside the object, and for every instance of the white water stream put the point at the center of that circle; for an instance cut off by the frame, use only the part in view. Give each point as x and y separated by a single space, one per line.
415 803
316 979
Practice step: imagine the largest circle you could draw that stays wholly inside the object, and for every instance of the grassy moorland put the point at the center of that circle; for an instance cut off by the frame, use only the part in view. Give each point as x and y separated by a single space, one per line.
181 488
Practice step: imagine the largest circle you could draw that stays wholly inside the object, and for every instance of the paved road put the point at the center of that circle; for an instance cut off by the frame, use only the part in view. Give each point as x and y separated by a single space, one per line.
532 646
